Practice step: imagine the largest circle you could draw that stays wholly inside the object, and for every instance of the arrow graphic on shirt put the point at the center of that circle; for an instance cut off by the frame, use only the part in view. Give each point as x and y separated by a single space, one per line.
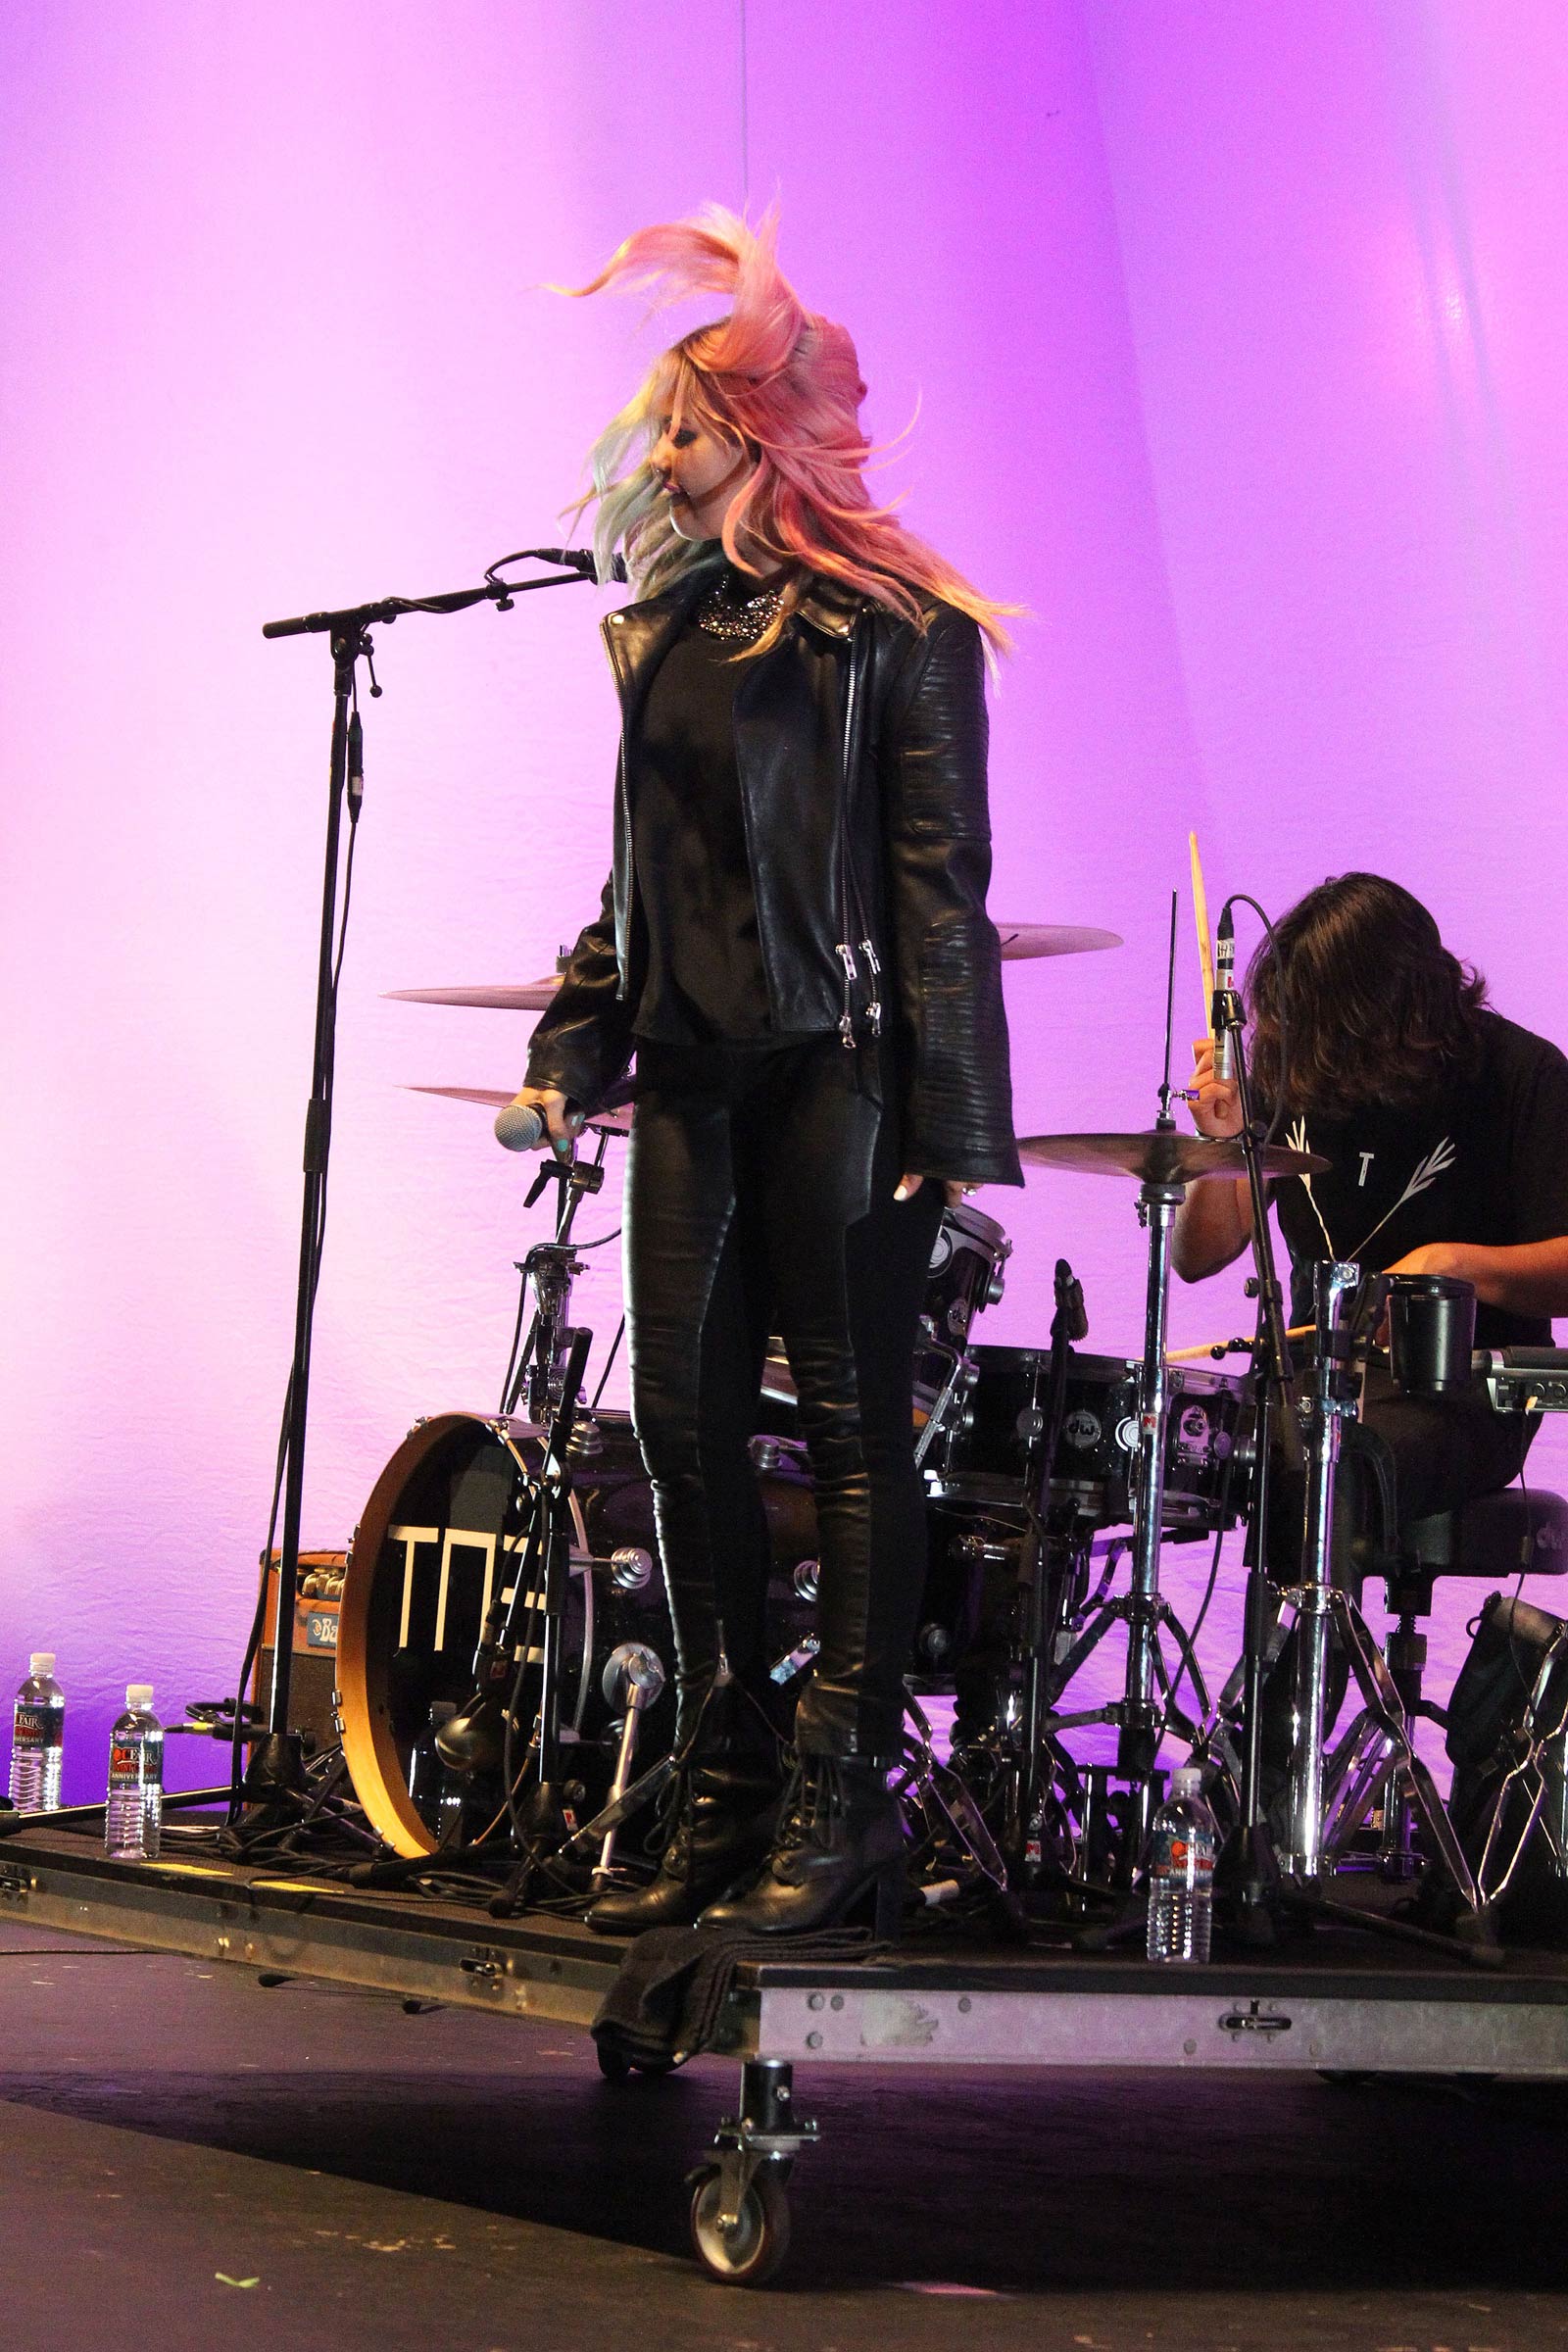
1296 1137
1437 1163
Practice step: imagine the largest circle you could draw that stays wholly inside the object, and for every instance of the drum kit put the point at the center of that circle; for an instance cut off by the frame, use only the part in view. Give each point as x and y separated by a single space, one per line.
505 1643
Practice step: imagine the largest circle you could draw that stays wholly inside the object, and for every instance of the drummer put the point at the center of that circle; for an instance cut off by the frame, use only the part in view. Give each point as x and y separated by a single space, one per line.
1446 1128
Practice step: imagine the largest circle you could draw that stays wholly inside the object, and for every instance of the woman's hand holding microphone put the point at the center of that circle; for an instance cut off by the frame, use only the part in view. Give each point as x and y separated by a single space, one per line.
564 1122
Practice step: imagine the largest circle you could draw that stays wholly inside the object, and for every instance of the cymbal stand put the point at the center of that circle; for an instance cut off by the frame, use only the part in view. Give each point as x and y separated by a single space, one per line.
1140 1720
1251 1862
549 1376
551 1266
1147 1706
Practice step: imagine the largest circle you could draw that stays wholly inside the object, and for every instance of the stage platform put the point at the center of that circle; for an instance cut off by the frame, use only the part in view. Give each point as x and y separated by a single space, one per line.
1344 2000
1346 2004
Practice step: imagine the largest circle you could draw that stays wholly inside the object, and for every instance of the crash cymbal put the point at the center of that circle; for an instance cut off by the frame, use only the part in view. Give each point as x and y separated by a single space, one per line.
1023 940
1158 1157
610 1121
507 996
1019 941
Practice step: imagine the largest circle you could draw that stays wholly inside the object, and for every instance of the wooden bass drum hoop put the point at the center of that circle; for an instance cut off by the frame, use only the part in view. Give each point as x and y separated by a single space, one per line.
370 1750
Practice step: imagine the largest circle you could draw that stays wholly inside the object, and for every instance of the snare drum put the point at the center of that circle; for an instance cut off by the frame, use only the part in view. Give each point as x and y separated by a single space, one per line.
983 1456
437 1539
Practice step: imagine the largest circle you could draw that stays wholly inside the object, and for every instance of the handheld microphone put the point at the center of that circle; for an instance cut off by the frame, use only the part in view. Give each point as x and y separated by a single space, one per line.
519 1127
1224 967
581 559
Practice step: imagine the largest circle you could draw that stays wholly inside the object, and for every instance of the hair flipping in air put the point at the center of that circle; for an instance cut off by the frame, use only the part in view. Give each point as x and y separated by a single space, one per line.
786 384
1376 1007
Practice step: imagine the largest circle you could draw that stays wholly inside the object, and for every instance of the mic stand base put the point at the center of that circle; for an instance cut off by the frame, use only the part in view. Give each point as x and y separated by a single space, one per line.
545 1831
276 1787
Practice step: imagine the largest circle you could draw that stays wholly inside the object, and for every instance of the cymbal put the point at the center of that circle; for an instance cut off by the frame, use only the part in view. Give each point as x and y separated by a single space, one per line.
1023 940
1158 1156
507 996
1019 941
611 1121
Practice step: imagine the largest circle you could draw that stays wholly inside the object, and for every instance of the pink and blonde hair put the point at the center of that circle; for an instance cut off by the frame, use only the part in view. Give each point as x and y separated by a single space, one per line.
786 384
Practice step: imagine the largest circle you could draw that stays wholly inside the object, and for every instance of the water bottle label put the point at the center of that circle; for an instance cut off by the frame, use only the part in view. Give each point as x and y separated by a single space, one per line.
1179 1857
131 1767
36 1726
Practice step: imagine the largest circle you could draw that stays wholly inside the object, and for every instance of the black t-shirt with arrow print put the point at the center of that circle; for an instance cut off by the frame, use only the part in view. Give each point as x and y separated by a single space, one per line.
1483 1161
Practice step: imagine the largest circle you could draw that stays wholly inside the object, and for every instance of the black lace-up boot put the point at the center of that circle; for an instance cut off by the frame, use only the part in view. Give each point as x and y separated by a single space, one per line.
840 1851
722 1810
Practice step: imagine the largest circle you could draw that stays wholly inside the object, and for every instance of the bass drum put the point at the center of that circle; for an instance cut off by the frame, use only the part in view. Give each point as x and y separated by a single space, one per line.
436 1540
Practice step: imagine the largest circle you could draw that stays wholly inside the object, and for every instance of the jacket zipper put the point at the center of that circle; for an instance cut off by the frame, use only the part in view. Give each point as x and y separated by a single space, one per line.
850 904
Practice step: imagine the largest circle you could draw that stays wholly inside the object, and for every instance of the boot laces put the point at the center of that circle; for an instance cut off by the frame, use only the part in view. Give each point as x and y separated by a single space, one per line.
811 1800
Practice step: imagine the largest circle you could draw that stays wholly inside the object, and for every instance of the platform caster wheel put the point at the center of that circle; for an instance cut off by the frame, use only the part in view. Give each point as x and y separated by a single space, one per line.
748 2254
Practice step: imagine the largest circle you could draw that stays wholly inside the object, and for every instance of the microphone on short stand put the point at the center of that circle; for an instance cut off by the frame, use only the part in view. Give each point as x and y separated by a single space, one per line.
574 559
1221 1009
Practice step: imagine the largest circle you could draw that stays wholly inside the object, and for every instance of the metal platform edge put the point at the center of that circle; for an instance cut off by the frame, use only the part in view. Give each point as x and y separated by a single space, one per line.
1266 2015
515 1968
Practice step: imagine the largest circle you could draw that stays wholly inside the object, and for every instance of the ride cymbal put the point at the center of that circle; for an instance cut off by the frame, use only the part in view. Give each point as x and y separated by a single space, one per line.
1159 1156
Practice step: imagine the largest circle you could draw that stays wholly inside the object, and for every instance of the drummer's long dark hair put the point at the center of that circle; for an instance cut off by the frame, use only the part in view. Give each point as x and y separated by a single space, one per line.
1376 1007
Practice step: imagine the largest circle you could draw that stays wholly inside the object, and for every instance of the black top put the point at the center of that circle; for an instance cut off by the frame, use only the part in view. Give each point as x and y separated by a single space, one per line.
1484 1160
689 849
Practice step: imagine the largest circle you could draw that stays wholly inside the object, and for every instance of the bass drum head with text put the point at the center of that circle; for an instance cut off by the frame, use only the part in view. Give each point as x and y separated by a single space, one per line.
440 1534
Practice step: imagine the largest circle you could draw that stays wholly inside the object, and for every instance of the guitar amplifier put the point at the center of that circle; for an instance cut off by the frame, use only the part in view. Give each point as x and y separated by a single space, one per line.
313 1676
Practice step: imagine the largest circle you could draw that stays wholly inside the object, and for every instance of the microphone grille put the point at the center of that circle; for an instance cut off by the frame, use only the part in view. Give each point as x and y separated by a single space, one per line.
518 1127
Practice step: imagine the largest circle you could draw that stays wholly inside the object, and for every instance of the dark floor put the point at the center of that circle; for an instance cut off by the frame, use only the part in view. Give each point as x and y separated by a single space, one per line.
188 2160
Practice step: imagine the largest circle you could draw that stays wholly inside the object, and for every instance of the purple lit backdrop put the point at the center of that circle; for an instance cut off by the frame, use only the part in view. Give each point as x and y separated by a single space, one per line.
1239 344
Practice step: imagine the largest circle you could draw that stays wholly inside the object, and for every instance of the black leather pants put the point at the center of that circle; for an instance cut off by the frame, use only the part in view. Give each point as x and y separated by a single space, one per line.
759 1195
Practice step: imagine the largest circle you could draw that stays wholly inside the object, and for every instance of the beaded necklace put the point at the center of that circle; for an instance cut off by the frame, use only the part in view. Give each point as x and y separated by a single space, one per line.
738 621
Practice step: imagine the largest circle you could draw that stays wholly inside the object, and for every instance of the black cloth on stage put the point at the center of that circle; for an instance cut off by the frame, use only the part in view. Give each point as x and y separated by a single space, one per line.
1483 1160
667 2002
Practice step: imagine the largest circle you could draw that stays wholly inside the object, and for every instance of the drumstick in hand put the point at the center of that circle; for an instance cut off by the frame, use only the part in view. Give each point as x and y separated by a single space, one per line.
1206 951
1220 1347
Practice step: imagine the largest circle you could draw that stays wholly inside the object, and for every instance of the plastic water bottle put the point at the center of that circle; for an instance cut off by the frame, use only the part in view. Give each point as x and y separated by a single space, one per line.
37 1737
1181 1872
134 1818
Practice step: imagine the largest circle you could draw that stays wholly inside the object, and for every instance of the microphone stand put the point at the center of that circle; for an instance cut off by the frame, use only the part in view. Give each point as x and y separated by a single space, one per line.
1250 1866
274 1782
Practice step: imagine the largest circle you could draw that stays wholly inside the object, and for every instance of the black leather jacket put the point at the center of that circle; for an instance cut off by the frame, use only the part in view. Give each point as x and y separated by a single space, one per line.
895 860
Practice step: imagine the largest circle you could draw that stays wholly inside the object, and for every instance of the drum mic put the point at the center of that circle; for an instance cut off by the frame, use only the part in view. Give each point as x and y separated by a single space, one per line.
520 1127
1224 967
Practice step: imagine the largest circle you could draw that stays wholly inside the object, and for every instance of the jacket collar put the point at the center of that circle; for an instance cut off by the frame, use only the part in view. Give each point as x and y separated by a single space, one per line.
640 634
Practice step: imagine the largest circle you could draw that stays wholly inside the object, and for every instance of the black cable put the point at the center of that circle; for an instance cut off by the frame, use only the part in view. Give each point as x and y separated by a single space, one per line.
610 1359
1240 898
